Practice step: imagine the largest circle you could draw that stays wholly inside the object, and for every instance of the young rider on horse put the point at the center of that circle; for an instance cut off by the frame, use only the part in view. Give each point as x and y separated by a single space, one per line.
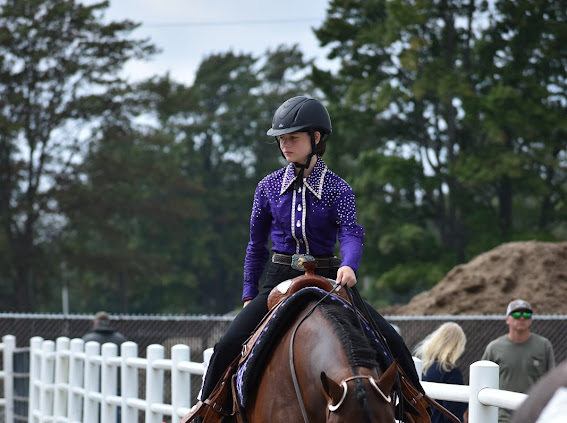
302 208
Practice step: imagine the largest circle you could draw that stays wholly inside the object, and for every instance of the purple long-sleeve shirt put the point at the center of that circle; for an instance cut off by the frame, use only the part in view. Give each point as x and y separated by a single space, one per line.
306 220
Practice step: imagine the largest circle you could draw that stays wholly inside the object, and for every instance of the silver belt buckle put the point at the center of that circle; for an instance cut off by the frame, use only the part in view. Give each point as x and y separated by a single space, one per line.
297 261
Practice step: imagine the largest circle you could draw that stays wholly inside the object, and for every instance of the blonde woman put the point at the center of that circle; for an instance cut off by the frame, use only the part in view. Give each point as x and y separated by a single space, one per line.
439 352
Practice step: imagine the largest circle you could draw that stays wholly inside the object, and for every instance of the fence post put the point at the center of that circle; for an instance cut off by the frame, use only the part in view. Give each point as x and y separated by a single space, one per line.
108 383
207 354
9 342
76 369
61 376
418 367
180 381
483 374
35 368
92 383
47 379
154 383
128 381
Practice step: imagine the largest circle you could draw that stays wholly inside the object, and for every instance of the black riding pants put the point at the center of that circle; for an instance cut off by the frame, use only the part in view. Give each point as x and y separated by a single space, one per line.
243 325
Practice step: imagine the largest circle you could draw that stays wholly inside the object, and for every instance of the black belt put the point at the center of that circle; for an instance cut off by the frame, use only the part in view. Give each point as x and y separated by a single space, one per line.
322 262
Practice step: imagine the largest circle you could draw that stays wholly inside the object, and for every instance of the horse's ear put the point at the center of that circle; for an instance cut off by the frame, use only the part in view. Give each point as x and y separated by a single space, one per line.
325 383
387 380
333 391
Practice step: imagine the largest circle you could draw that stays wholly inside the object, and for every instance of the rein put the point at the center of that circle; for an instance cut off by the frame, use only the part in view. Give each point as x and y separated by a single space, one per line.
377 332
291 363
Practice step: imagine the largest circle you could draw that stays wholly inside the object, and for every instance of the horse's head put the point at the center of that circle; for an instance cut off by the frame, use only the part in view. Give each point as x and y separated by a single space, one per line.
363 398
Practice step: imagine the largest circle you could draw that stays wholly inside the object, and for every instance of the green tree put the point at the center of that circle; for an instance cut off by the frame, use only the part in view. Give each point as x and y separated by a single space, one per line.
58 77
127 208
471 99
519 76
157 215
220 123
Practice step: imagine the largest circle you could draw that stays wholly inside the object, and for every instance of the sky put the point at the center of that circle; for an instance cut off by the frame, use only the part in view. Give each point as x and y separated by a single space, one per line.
187 31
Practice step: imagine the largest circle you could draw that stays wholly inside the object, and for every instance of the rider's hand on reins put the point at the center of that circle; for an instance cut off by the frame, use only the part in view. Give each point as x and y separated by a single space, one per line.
346 276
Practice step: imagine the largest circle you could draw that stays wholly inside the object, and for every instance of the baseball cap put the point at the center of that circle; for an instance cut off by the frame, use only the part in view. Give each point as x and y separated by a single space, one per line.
518 305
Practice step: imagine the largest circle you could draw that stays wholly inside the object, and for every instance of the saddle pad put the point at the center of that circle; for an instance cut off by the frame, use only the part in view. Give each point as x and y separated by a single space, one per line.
249 372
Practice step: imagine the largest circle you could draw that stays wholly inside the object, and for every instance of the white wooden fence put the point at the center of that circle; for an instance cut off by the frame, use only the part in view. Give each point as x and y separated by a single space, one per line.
72 382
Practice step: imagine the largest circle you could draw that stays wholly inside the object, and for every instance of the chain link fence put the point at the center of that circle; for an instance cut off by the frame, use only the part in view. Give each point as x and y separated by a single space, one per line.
202 332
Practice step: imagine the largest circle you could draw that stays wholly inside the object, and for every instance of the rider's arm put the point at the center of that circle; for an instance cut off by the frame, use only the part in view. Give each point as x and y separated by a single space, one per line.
257 250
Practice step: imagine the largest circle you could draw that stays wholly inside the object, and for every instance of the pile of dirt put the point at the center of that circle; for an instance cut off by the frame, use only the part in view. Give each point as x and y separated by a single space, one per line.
534 271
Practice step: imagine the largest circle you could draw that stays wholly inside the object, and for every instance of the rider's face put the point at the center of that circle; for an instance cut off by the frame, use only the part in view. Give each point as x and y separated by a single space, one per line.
297 145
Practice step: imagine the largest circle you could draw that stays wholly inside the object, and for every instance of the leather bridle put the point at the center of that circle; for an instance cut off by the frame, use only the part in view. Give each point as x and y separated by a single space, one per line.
335 407
343 382
291 361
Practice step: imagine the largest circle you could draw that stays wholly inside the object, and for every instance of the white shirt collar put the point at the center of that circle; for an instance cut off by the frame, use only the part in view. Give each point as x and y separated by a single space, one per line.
313 182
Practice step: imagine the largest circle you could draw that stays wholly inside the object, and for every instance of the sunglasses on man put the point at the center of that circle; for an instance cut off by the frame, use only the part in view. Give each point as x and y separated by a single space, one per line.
517 314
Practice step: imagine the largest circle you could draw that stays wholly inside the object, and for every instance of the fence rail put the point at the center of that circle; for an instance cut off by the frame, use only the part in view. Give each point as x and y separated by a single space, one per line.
71 382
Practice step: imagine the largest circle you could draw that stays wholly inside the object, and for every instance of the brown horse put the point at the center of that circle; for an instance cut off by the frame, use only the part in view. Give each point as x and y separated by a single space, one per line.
311 360
337 377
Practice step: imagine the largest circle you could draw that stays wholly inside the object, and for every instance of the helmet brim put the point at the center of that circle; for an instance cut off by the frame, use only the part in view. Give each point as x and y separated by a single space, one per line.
275 132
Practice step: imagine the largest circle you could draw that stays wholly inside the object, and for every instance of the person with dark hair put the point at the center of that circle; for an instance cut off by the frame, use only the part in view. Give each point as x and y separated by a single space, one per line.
102 332
303 208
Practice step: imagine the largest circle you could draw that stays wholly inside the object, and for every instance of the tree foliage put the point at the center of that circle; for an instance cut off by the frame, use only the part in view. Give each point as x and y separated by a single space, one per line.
159 214
448 121
220 122
460 106
58 78
128 208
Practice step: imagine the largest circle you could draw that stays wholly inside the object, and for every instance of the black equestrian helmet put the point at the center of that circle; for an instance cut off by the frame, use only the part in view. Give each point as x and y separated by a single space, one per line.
300 114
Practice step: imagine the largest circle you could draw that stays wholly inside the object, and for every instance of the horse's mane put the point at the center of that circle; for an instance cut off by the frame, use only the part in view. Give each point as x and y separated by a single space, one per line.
358 349
344 322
